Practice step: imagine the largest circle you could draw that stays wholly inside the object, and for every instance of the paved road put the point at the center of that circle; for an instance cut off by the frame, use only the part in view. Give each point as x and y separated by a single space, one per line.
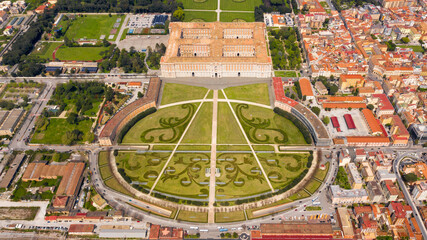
122 28
212 179
407 195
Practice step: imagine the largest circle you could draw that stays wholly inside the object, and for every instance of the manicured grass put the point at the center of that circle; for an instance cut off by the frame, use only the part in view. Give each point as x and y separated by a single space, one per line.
321 174
144 168
173 92
105 172
285 74
57 129
250 212
163 147
94 110
263 126
313 208
46 50
281 168
253 93
228 131
416 48
199 16
115 185
200 4
186 173
102 159
92 26
263 148
80 53
299 195
240 176
233 148
312 186
190 216
223 217
194 148
200 130
246 5
164 126
237 17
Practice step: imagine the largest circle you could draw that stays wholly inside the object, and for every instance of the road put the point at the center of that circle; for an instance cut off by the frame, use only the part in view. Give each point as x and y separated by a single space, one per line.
407 195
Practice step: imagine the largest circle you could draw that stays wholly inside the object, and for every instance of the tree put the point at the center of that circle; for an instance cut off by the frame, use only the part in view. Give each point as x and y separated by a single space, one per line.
140 95
105 43
72 118
410 177
405 40
349 108
179 14
326 120
370 107
316 110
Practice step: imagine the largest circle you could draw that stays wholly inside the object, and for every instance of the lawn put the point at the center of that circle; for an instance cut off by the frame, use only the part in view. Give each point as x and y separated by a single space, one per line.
285 74
142 167
57 128
200 16
253 93
94 110
80 53
194 147
200 131
250 212
46 49
239 5
173 92
92 26
223 217
164 126
240 176
200 4
227 147
263 126
299 195
237 17
312 186
186 173
282 168
416 48
105 172
321 174
228 131
190 216
115 185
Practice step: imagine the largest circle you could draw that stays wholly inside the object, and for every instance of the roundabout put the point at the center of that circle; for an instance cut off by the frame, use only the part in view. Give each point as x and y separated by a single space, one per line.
212 156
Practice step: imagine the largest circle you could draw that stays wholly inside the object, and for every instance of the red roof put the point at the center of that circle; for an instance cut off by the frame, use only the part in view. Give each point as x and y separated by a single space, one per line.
349 121
305 86
81 228
360 152
398 209
280 94
335 122
385 103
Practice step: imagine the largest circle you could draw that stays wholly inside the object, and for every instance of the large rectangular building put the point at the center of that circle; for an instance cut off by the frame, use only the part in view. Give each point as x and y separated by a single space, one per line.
216 50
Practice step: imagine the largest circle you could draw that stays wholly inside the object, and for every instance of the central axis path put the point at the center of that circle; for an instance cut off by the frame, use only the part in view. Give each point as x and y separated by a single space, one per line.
212 179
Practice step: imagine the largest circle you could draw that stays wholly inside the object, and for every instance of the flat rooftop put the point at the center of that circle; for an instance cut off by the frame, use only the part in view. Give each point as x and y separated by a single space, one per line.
217 42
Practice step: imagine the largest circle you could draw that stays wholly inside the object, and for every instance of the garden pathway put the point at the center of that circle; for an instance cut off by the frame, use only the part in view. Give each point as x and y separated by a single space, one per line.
212 180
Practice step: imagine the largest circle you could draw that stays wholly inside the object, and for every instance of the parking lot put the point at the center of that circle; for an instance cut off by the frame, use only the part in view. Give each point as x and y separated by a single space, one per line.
361 127
142 41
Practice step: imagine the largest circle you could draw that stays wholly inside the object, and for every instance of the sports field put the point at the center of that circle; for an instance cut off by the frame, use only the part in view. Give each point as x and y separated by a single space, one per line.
240 5
92 26
80 53
200 4
200 16
237 17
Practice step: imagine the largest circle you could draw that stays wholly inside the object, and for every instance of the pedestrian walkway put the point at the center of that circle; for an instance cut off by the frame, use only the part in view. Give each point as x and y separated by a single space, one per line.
212 180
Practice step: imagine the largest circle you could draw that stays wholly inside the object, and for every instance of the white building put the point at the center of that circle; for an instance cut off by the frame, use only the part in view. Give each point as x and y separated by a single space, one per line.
343 196
419 192
344 157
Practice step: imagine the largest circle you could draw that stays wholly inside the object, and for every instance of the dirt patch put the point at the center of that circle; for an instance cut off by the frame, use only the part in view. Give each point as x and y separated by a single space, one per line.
18 213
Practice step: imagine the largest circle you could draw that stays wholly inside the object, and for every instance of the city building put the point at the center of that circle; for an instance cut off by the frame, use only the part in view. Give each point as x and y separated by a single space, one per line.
355 179
81 229
351 81
306 88
391 193
320 87
419 192
345 223
374 192
216 50
11 172
344 157
372 122
292 230
344 196
11 121
367 172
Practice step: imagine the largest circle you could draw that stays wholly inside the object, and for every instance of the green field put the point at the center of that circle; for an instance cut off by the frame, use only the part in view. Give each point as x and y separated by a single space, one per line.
240 5
299 195
312 186
223 217
173 92
92 26
94 110
80 53
285 74
200 130
142 167
240 176
282 168
228 131
200 4
237 17
45 50
186 173
57 128
415 48
321 174
200 16
263 126
257 93
192 216
163 126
